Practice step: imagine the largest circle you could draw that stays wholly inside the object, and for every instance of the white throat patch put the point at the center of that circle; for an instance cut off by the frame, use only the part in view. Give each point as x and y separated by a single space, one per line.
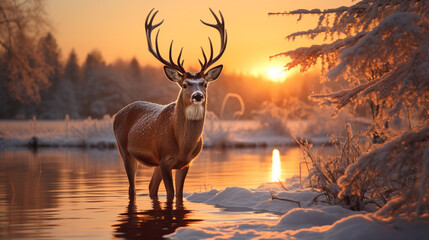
194 112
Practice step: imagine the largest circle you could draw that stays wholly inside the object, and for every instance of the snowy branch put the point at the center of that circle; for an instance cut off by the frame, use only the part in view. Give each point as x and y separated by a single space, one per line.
308 56
311 33
404 159
313 11
343 97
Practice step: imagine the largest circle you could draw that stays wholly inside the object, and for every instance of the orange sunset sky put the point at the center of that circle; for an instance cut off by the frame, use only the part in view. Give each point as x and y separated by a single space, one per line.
116 28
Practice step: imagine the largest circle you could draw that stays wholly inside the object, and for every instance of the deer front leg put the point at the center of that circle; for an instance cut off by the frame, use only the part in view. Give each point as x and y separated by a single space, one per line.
180 181
154 183
168 181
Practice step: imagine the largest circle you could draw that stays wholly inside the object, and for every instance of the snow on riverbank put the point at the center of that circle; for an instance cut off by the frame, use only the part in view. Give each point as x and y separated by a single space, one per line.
309 222
99 134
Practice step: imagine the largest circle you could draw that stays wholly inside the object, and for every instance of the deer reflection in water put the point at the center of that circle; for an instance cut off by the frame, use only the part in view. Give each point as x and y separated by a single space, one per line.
153 223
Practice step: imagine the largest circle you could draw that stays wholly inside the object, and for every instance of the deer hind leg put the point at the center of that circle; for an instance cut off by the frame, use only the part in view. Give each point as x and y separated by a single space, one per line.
180 181
154 183
131 167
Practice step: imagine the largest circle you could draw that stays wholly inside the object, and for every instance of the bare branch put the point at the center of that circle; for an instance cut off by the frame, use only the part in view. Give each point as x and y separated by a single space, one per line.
274 197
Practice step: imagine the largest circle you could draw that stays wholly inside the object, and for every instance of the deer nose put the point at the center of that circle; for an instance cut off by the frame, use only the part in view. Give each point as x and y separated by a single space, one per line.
197 97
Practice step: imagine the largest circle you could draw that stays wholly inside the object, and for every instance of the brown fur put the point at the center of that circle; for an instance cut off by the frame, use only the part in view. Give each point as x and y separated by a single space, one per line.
158 136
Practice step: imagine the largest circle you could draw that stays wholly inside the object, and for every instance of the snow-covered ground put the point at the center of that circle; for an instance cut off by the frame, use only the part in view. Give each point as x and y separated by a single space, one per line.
217 133
58 133
310 221
99 133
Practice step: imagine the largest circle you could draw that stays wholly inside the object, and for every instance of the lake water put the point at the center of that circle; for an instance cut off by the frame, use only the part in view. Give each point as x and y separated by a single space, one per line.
73 193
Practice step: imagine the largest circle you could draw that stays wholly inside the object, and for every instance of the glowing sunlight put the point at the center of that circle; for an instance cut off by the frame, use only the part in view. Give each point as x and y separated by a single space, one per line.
276 74
276 167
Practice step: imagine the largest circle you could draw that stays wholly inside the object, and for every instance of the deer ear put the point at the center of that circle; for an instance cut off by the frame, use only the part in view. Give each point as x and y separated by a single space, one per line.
213 73
172 74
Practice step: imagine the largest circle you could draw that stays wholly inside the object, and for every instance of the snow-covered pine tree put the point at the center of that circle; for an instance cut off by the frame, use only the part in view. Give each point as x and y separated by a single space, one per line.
72 68
51 106
71 83
93 64
104 91
381 48
134 68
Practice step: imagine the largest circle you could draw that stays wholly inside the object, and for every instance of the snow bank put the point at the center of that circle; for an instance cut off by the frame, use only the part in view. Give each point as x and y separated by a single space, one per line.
362 226
99 134
253 199
58 133
356 227
308 222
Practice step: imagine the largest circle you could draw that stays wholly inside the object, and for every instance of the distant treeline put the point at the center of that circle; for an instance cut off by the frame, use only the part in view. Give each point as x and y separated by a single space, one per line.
95 88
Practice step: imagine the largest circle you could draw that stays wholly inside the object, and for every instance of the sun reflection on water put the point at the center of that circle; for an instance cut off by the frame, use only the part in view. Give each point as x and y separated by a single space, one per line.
276 168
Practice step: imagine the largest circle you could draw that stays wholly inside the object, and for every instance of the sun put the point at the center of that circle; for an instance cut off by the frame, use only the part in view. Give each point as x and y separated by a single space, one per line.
276 74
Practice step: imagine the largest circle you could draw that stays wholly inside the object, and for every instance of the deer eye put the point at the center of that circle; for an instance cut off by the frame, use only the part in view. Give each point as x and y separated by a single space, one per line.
184 85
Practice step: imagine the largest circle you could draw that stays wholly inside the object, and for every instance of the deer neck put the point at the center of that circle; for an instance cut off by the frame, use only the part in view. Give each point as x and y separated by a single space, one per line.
188 130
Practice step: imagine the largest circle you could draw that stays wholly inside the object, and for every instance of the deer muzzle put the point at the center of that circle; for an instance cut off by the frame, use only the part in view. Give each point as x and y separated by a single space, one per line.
198 97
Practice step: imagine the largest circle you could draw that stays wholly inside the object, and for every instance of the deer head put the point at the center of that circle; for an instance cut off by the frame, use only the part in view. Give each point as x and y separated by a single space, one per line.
193 85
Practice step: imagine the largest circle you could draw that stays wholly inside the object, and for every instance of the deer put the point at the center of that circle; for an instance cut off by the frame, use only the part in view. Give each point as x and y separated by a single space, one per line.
168 137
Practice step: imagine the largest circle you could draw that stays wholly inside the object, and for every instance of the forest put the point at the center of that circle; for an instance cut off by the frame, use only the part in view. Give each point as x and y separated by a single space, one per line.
356 112
96 88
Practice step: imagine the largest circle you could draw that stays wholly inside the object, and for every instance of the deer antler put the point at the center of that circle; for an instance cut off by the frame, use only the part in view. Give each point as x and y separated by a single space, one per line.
220 26
149 28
